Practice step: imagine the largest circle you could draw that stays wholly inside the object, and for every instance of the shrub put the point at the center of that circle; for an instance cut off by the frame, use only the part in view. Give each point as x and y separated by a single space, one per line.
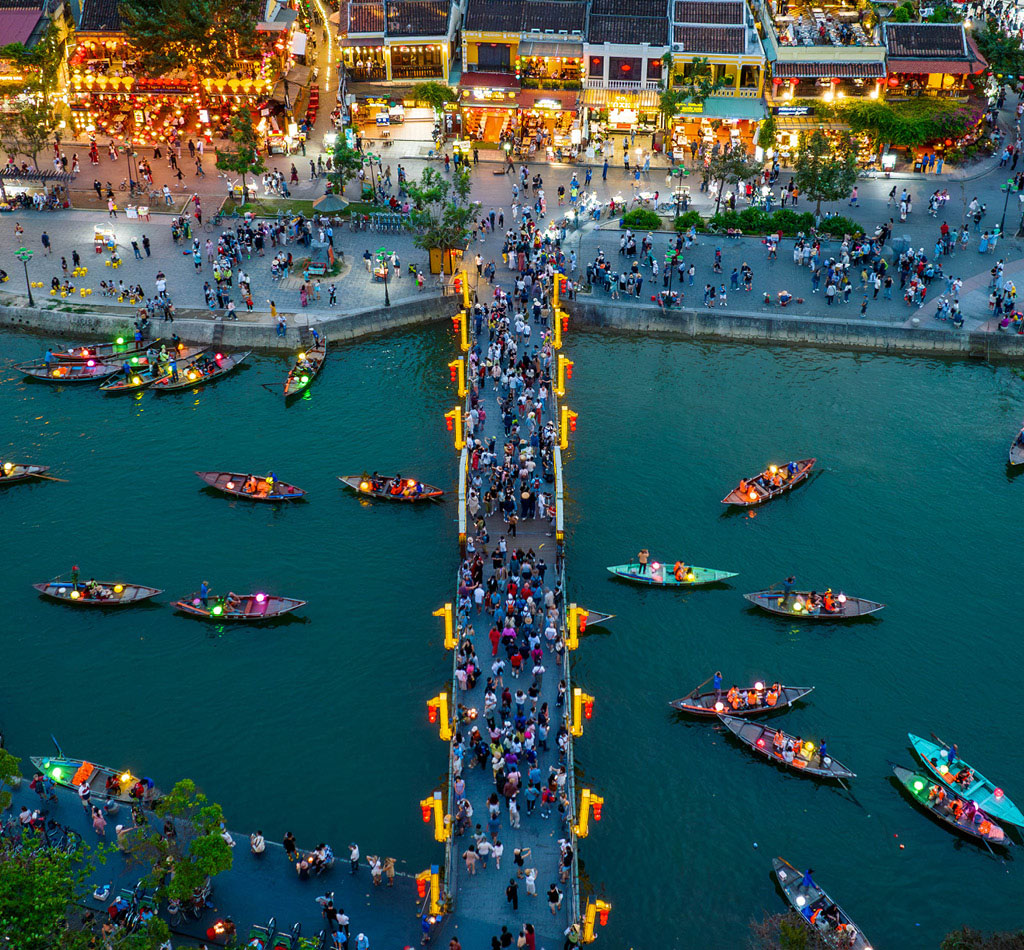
641 219
754 219
838 226
689 219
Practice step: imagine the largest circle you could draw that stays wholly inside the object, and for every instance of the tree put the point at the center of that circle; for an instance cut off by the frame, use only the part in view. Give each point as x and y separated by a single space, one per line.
784 932
8 775
180 863
694 85
244 156
44 58
197 36
345 163
434 94
731 168
768 134
1002 50
824 173
969 939
443 213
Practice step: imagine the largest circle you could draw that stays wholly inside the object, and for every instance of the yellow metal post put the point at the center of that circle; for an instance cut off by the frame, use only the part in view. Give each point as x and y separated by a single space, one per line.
466 302
454 417
587 800
557 286
580 700
568 421
440 704
557 341
564 364
440 829
590 918
576 614
459 365
435 890
449 626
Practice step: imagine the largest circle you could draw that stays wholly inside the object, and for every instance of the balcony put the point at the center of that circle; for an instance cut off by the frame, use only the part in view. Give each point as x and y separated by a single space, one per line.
621 85
544 82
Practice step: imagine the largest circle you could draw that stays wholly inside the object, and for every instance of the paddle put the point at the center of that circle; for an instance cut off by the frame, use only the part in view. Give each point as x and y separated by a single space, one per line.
705 683
52 478
938 740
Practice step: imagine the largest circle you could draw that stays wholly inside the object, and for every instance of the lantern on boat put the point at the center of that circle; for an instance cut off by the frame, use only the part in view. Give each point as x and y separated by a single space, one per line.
135 359
719 706
944 769
126 777
760 743
136 380
118 588
773 469
8 466
944 754
798 606
62 590
91 363
841 598
918 786
800 900
120 341
196 601
56 373
217 611
690 576
191 375
997 794
302 356
759 685
220 356
231 485
85 352
411 483
753 496
75 595
305 379
261 598
364 486
57 773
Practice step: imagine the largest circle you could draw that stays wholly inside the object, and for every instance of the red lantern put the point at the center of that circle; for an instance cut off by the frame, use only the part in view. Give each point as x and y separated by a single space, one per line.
572 424
455 322
421 887
893 81
568 371
565 323
588 711
603 916
452 371
583 622
597 806
431 712
426 809
448 422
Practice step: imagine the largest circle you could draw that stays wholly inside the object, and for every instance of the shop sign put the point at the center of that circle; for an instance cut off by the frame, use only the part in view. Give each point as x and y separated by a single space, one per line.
690 108
547 104
792 110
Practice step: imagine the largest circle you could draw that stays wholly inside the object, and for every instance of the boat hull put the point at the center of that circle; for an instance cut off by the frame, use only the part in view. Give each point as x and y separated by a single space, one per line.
231 483
63 770
805 900
759 738
705 703
128 594
299 380
660 575
250 609
226 364
22 473
357 483
85 352
772 602
748 500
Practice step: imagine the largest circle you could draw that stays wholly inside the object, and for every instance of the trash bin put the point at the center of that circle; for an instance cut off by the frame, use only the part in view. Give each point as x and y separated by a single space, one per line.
917 165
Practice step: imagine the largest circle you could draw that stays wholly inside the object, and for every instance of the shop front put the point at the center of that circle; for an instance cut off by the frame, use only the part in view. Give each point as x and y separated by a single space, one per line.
488 103
794 121
610 112
723 121
365 63
549 122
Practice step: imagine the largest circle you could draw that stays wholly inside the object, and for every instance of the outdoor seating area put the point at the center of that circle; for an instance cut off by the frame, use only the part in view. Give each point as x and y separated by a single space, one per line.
827 25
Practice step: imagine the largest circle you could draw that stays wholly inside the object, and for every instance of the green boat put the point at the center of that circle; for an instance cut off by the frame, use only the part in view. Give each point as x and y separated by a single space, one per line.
662 575
985 794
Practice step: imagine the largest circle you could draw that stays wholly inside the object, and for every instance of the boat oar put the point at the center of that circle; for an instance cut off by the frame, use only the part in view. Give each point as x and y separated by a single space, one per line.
51 478
938 740
705 683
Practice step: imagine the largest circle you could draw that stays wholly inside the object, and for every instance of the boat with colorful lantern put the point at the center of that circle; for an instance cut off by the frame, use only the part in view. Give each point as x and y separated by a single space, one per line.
103 352
200 370
251 487
771 483
307 367
245 608
391 487
145 374
946 765
823 915
791 751
715 703
806 604
96 593
11 472
957 812
90 371
660 575
122 785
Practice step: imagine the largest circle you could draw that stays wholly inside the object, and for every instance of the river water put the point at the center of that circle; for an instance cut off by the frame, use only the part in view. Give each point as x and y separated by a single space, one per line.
319 725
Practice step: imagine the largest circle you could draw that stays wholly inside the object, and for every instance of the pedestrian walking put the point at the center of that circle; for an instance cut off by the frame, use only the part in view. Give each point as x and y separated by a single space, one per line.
353 857
290 851
512 893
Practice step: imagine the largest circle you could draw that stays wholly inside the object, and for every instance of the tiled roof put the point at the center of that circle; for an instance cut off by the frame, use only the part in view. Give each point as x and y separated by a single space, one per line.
928 40
711 39
17 26
630 30
783 70
495 16
22 5
101 16
557 15
629 8
922 67
417 17
708 11
364 18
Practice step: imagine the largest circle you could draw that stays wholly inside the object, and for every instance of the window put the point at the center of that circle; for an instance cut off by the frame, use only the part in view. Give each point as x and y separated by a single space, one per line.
654 68
493 56
626 69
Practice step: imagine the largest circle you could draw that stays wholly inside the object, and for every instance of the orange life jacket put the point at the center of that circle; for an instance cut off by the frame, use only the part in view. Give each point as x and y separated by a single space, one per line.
751 698
771 698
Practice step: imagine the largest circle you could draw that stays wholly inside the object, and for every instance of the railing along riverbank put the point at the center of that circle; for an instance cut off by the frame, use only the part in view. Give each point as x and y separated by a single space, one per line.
472 904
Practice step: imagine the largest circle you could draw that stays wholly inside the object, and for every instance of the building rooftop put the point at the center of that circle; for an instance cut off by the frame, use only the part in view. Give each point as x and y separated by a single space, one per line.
17 26
710 39
569 16
629 21
721 12
926 40
417 17
363 18
100 16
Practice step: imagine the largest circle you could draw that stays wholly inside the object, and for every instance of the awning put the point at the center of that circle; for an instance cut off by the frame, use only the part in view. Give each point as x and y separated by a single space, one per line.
806 123
732 107
548 99
645 99
550 48
782 70
298 75
488 81
922 67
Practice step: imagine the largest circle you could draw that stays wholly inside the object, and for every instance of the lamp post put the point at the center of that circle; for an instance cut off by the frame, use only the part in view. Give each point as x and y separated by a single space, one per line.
25 255
1006 201
382 258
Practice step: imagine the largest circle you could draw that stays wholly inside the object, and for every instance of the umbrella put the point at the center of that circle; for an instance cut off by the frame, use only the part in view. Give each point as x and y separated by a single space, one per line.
329 203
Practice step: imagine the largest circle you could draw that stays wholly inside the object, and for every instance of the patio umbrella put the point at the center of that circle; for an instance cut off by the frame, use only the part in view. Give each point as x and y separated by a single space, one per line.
329 203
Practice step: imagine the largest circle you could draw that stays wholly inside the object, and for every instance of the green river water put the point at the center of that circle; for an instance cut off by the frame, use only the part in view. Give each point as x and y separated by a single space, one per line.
319 726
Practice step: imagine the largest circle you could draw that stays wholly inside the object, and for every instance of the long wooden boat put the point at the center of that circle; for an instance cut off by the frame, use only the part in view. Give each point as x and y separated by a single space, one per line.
307 367
983 792
761 739
941 804
88 372
713 704
251 487
380 486
147 374
122 785
795 605
1017 450
122 346
813 904
199 371
106 594
248 609
662 575
757 493
11 472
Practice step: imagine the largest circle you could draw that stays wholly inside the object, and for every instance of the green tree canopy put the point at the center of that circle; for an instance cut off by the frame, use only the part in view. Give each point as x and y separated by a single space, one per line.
730 169
435 94
244 156
345 163
694 86
1002 50
768 136
443 213
824 173
966 938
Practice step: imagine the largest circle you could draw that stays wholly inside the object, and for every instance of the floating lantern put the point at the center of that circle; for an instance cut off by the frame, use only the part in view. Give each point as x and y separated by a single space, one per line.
261 598
118 588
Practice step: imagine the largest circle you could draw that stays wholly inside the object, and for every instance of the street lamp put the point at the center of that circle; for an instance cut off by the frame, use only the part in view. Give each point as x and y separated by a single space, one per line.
25 255
1006 201
382 258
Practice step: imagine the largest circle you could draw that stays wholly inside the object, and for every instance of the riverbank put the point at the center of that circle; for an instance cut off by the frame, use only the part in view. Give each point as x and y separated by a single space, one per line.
867 335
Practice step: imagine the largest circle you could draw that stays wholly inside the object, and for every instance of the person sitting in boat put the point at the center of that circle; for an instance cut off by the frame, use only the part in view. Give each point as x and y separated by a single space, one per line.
679 571
733 697
792 468
744 486
250 485
831 915
753 700
779 742
113 785
772 696
965 777
788 755
813 605
936 795
232 601
828 602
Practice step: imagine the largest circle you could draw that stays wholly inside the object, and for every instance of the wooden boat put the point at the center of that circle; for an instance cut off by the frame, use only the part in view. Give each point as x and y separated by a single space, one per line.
1017 450
761 738
102 351
661 575
88 372
119 593
757 494
234 483
147 374
595 619
920 788
984 793
250 607
300 378
69 772
365 485
191 375
11 472
812 902
710 704
795 605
